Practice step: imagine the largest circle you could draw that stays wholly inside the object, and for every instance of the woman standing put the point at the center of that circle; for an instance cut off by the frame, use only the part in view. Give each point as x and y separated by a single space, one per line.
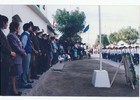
16 47
5 56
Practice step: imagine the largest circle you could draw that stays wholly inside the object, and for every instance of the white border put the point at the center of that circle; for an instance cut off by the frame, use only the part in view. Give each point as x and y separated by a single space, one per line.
73 2
70 2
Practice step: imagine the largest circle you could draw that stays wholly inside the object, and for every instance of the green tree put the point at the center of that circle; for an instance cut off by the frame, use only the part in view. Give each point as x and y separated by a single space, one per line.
114 38
104 40
69 23
129 35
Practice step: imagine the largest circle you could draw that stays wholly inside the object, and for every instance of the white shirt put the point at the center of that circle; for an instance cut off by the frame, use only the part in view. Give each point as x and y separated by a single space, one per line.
2 30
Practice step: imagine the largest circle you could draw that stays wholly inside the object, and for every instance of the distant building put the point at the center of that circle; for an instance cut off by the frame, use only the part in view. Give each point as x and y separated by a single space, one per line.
26 13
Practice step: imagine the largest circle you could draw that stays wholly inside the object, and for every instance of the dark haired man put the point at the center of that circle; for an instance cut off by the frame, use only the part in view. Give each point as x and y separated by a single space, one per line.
26 42
35 53
5 56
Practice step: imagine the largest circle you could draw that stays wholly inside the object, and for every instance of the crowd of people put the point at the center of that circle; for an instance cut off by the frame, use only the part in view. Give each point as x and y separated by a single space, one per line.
25 56
115 54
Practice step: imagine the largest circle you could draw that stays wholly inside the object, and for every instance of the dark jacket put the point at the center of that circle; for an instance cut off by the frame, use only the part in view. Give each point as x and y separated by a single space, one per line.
16 47
44 47
40 43
5 49
35 42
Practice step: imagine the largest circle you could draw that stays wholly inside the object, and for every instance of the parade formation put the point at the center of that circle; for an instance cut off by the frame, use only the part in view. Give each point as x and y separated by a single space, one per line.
115 54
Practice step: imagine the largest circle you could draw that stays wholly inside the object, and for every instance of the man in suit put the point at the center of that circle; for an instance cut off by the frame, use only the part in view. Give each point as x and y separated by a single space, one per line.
49 51
5 56
40 56
34 62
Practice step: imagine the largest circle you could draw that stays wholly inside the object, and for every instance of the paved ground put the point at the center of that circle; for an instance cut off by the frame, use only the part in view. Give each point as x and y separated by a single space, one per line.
75 80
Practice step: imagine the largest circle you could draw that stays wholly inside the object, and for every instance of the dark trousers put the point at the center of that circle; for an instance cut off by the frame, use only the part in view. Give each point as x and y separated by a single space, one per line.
55 58
48 61
45 63
72 56
120 57
4 78
33 65
136 59
40 64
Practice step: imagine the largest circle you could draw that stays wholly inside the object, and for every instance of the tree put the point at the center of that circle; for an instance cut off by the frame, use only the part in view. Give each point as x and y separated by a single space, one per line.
69 23
114 38
104 40
129 35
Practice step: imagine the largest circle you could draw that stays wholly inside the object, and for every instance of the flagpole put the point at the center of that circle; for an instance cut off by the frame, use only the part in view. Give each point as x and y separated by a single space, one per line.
100 57
139 23
100 77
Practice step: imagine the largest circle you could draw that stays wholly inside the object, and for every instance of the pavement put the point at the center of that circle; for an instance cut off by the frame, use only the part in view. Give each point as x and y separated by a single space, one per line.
74 78
58 67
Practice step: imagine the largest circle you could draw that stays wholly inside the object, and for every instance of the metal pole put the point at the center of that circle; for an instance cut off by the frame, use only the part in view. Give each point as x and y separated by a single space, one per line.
88 38
139 23
99 10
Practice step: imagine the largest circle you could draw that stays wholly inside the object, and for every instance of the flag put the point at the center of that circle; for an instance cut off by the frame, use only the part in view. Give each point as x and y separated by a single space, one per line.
86 29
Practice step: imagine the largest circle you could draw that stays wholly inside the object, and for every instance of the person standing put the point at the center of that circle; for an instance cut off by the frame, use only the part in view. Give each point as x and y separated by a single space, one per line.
49 52
34 62
136 55
55 50
44 53
40 55
16 46
5 56
26 42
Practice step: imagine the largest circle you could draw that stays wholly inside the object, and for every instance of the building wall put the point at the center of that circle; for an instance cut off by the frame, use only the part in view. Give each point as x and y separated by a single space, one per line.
44 11
26 14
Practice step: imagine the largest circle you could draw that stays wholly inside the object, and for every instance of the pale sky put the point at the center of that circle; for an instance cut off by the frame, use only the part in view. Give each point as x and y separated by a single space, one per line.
113 18
115 13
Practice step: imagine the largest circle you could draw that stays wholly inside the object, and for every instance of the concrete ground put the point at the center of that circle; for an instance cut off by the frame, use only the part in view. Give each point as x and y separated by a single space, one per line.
75 80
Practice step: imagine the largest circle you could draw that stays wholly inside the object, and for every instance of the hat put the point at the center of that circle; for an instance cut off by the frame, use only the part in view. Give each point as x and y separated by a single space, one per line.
44 35
52 37
47 34
39 32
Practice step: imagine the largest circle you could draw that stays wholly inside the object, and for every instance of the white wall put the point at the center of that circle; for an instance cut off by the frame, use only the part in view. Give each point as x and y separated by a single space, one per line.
42 10
25 13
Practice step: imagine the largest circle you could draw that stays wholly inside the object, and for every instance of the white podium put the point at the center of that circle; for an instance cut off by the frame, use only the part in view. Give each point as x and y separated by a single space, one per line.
100 78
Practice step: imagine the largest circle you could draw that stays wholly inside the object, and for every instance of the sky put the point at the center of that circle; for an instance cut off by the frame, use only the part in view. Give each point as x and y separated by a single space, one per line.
115 13
113 18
